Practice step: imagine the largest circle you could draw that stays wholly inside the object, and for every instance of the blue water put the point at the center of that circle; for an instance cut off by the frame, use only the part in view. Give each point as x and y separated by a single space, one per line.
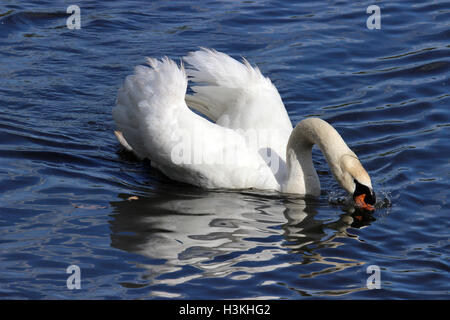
65 183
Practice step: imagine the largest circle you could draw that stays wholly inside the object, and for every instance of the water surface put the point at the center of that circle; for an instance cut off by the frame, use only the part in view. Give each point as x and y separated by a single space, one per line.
65 183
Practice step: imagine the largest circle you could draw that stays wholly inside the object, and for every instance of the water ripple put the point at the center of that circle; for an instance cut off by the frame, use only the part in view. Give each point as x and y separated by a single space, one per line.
70 195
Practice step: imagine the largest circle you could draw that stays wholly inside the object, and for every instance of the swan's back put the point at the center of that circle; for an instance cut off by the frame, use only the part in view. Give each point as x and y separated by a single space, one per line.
156 123
237 96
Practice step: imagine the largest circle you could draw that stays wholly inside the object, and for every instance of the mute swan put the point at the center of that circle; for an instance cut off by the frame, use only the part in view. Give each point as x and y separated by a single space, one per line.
248 141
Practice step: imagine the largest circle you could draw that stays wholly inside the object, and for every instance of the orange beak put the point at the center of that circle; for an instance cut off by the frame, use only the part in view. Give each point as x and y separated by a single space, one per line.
360 203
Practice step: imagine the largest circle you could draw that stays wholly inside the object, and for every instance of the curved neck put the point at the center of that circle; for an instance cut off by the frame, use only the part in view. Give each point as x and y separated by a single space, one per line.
301 175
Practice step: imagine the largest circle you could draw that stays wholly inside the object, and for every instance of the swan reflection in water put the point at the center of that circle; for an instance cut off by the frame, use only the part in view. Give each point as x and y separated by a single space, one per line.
227 234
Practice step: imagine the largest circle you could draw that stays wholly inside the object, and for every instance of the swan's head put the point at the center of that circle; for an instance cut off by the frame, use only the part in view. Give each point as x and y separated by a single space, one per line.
355 179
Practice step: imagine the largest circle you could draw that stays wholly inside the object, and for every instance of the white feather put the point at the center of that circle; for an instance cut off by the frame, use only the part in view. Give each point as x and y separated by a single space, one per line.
155 122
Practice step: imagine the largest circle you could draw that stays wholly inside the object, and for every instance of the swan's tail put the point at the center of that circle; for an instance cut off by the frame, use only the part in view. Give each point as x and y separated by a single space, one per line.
221 81
146 104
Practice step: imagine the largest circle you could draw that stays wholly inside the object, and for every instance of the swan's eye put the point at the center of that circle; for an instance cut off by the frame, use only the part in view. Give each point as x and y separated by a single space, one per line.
364 196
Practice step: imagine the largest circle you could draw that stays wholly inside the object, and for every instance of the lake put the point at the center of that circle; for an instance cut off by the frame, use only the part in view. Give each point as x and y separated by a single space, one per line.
69 194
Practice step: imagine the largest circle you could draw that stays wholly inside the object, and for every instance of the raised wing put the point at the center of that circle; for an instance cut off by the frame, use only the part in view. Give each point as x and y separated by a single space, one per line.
156 123
237 96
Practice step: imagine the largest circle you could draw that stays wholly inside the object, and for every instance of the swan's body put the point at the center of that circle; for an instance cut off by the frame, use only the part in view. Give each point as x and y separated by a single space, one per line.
249 142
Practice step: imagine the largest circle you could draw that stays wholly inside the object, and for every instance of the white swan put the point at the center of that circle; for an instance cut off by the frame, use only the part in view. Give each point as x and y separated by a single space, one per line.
249 142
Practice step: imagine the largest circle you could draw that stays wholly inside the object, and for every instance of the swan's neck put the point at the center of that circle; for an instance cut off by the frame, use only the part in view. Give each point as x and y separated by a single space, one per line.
301 176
